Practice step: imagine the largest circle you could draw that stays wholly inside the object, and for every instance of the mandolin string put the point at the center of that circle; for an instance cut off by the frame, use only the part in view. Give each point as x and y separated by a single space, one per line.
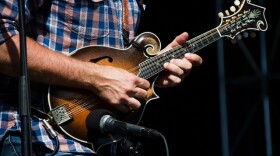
149 67
76 101
83 107
77 109
76 104
134 70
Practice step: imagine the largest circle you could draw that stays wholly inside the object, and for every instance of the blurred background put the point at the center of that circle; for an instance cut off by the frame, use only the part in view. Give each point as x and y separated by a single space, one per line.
228 106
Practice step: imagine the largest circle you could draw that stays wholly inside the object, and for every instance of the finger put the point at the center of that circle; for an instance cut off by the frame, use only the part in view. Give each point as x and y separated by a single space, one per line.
171 80
178 67
142 83
139 93
123 107
182 64
128 106
133 104
194 59
174 79
180 39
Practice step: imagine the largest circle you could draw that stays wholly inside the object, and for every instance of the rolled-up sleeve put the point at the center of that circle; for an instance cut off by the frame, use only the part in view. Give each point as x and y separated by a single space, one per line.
9 18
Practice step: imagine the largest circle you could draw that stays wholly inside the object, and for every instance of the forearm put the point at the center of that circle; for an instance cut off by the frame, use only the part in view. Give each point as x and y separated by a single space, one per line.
44 65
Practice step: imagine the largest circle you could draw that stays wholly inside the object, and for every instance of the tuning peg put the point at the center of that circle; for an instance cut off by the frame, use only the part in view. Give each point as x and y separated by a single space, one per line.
237 2
253 34
238 37
245 34
227 12
220 14
232 9
233 41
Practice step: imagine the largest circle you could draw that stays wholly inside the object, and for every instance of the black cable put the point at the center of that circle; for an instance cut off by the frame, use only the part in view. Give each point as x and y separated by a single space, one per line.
56 147
47 126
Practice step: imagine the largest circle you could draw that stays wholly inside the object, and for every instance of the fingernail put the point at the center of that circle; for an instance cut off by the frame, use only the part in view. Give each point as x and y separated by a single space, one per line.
187 55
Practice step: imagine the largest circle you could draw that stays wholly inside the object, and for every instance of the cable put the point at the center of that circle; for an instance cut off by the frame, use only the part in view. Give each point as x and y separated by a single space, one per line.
165 144
52 134
48 128
56 147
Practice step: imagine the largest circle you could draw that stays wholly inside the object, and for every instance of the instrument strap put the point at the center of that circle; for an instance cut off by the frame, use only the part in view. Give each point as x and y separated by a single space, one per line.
125 30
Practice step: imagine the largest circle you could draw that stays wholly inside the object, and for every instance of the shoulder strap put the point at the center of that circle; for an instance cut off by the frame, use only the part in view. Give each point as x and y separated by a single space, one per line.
125 7
125 34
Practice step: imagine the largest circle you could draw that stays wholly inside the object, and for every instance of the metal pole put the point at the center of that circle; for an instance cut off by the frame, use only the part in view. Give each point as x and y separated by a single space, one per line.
266 102
222 90
24 96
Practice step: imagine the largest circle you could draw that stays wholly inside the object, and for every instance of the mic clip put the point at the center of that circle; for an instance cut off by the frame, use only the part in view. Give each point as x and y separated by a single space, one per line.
131 148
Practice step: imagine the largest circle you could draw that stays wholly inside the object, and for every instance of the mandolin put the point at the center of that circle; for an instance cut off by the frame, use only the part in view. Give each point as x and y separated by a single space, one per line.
69 107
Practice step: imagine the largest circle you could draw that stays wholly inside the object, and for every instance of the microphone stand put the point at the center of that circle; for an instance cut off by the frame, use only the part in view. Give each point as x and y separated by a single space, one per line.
24 96
131 148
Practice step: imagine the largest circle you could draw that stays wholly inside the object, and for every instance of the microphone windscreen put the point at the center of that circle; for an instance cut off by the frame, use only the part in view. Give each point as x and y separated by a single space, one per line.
93 119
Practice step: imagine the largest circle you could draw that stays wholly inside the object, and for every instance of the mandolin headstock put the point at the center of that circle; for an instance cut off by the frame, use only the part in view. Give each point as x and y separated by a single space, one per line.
246 16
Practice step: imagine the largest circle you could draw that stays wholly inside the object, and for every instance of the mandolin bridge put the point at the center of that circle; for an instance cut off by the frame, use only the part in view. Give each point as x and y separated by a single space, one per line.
60 115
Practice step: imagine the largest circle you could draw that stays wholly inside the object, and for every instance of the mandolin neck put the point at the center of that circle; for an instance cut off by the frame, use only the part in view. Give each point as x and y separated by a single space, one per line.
154 65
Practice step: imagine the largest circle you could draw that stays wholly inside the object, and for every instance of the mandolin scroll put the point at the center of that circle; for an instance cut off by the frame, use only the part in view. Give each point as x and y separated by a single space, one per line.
148 43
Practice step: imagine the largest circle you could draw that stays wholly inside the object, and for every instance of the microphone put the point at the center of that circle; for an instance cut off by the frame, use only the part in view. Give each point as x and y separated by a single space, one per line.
101 120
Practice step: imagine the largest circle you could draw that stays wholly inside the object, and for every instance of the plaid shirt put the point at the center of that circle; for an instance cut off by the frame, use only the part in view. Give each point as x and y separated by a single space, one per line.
63 26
